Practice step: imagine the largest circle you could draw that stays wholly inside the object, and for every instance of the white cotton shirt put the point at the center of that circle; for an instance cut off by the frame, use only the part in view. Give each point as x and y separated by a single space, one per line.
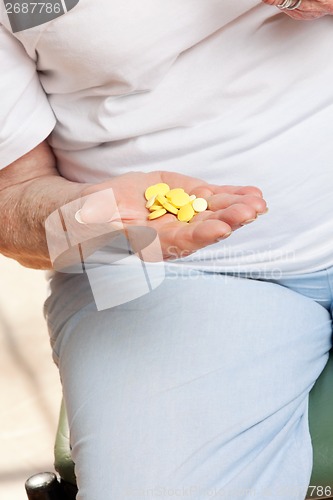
233 92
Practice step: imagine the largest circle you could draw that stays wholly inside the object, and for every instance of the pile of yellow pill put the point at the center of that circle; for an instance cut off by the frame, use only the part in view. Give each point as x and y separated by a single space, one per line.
161 200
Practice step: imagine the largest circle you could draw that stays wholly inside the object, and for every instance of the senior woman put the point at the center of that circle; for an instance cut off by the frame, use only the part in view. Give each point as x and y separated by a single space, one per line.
198 387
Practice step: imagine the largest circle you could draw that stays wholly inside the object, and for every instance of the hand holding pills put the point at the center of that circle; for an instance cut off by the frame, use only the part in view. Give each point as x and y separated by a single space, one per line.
161 199
187 213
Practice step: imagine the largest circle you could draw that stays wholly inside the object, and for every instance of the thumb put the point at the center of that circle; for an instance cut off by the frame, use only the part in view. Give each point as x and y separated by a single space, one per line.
98 208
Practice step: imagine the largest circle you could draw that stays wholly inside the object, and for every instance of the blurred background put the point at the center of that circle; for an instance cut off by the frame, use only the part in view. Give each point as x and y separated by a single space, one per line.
30 390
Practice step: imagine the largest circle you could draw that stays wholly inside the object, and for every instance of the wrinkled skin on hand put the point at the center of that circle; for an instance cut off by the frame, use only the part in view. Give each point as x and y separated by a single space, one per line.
308 10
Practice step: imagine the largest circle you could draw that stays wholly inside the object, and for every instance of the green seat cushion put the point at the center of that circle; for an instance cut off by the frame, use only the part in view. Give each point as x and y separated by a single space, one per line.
63 462
321 429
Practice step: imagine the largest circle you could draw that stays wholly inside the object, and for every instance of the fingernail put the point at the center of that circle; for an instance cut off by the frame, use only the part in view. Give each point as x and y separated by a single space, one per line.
226 235
95 212
116 224
247 221
78 217
264 212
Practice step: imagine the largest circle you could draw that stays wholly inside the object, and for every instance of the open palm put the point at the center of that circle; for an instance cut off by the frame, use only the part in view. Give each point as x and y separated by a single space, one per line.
229 207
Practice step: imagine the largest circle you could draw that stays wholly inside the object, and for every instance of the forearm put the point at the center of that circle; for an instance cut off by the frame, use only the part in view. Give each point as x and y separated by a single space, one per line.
24 209
30 190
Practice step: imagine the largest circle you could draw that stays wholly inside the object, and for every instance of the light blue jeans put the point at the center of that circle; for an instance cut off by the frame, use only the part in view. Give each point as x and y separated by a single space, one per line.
196 390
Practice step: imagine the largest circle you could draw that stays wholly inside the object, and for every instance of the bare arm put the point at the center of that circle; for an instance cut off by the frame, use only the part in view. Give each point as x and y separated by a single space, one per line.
30 189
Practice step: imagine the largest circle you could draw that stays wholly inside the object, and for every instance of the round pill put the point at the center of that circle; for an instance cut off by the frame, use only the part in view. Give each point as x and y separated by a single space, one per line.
161 199
150 202
157 213
166 204
155 207
170 208
170 193
156 189
199 204
192 197
179 199
185 213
